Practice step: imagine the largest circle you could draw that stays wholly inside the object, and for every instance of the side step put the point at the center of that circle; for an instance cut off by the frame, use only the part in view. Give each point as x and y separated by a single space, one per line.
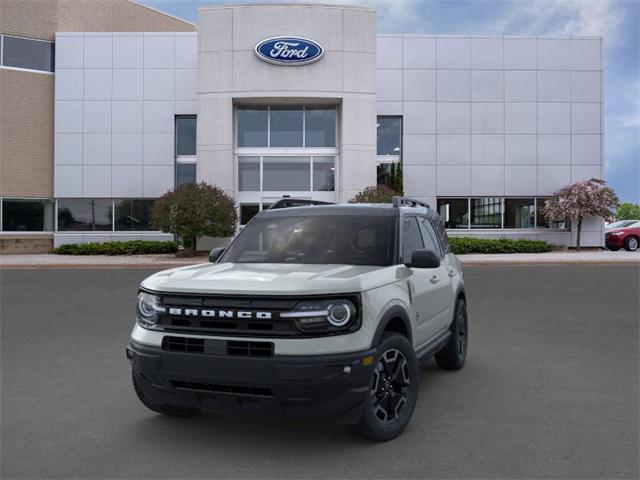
434 346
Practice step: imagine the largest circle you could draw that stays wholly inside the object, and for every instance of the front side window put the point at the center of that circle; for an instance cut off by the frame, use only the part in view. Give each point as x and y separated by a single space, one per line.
26 215
26 53
519 213
486 212
316 239
411 238
429 236
133 215
84 215
454 212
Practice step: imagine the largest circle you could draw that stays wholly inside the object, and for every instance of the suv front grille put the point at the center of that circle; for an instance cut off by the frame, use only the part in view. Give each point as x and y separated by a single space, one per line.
217 347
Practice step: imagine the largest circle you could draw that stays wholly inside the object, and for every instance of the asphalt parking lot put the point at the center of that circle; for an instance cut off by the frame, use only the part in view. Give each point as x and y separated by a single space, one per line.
550 390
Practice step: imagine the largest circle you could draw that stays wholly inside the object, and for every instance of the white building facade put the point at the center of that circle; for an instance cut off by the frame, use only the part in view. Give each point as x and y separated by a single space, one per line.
482 128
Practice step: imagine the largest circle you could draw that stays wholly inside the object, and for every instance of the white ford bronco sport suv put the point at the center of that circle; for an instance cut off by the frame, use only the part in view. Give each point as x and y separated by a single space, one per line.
316 310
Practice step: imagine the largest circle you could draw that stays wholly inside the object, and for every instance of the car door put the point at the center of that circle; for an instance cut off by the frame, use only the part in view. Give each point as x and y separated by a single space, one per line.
447 272
428 286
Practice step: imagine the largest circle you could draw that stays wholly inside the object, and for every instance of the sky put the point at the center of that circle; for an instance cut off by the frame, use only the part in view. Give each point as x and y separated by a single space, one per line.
617 21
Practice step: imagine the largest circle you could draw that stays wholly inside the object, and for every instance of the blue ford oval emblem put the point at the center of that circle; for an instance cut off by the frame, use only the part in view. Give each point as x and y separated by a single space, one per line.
289 50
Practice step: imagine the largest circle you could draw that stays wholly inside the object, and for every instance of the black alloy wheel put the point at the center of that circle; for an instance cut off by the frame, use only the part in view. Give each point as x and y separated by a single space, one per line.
390 389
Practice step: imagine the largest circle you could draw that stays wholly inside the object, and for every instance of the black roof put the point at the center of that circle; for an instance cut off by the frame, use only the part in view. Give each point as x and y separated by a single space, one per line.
371 209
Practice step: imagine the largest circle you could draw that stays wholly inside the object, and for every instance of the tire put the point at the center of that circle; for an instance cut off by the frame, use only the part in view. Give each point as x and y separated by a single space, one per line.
454 353
169 410
614 249
631 243
394 387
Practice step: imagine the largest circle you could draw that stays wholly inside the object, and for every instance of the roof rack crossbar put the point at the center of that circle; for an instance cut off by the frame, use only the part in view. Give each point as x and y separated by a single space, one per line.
406 201
287 202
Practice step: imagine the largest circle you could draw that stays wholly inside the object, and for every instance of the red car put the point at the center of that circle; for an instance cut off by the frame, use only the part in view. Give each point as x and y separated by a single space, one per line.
627 237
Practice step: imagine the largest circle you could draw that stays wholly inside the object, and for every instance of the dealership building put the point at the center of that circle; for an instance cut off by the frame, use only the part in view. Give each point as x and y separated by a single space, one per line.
119 103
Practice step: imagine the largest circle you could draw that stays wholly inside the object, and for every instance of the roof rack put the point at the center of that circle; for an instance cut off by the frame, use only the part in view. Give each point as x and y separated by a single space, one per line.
408 202
296 202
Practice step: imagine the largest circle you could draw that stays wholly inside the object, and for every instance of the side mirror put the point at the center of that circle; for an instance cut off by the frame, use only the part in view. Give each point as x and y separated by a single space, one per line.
424 259
215 253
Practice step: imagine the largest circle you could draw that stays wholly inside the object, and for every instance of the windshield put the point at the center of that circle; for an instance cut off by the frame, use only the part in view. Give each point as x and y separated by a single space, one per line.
621 224
324 239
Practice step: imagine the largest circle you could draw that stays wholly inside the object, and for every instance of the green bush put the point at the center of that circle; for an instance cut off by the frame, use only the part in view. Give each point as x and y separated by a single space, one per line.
131 247
460 245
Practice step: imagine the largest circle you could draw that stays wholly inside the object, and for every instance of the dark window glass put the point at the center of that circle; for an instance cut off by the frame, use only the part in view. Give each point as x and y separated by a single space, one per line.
389 131
442 234
390 174
248 211
84 215
134 215
185 173
411 238
317 239
542 222
27 215
249 174
252 126
486 212
519 213
286 174
186 135
454 212
25 53
324 174
285 124
429 236
320 127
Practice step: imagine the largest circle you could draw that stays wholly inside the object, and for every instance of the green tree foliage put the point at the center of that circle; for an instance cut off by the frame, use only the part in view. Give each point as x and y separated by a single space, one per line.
195 210
375 194
628 211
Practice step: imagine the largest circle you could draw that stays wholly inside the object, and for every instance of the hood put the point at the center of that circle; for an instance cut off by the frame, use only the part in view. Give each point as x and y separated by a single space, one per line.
271 278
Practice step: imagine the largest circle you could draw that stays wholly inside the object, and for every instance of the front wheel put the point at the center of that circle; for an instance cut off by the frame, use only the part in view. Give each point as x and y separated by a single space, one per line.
393 391
631 244
454 353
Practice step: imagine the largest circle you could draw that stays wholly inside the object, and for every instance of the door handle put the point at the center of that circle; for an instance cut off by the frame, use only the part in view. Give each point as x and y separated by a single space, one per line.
452 273
435 279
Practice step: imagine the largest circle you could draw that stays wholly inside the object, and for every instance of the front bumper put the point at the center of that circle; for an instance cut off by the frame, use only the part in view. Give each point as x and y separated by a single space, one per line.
319 385
614 241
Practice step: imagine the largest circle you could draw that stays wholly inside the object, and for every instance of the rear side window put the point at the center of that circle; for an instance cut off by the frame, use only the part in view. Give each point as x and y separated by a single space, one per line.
411 238
429 235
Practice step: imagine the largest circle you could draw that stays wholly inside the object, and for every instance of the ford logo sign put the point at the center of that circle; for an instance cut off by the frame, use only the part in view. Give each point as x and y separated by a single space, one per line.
289 51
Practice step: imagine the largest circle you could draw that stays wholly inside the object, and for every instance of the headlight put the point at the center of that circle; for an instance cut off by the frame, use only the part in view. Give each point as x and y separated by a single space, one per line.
323 316
148 309
616 233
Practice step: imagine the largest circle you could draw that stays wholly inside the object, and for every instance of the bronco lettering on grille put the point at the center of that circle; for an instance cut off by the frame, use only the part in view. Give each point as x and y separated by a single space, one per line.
193 312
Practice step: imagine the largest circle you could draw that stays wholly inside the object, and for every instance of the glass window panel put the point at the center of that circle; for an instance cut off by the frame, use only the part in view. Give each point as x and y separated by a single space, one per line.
22 215
429 236
324 169
134 215
186 135
185 173
248 211
285 124
320 127
84 215
286 174
389 132
249 174
454 212
519 213
390 174
411 238
542 222
486 212
252 126
25 53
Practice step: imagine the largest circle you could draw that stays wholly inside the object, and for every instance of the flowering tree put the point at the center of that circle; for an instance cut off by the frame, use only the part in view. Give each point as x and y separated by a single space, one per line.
194 210
586 198
375 194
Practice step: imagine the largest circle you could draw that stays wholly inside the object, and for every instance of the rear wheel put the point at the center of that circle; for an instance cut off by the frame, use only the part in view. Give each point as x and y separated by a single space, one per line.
453 355
169 410
393 391
631 244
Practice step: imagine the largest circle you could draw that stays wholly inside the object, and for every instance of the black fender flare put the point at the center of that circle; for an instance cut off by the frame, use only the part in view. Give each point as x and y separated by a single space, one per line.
395 311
